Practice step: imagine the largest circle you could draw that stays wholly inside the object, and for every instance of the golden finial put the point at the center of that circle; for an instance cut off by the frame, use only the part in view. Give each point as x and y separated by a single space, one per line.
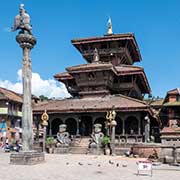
45 118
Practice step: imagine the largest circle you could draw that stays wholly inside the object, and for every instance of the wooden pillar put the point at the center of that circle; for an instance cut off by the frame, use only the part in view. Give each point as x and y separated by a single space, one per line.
77 130
123 126
171 117
139 126
50 127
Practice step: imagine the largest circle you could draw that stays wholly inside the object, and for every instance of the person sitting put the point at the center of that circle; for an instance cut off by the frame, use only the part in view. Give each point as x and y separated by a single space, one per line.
154 155
17 146
129 153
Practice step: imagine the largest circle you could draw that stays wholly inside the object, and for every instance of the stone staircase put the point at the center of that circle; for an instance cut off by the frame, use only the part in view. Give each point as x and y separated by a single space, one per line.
80 146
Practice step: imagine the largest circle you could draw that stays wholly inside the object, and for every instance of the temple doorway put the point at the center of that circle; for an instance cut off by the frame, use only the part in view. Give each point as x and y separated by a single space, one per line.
131 125
85 126
155 130
119 126
55 126
71 126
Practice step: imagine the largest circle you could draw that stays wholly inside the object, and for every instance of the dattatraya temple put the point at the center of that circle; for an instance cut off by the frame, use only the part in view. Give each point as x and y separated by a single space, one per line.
108 80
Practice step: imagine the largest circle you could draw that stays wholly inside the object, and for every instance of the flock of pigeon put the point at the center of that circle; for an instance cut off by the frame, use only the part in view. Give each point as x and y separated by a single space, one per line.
99 165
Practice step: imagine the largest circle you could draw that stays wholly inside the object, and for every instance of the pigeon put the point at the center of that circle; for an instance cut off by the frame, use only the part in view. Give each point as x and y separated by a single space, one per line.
80 163
117 165
67 163
99 165
89 164
110 162
124 165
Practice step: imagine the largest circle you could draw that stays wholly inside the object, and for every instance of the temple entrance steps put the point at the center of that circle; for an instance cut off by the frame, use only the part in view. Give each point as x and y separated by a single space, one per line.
80 141
84 142
80 145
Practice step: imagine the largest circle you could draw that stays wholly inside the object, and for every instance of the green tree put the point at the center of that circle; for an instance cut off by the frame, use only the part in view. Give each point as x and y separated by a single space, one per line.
43 98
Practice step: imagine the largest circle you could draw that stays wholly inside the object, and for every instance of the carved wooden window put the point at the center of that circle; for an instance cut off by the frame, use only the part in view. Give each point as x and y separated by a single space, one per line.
91 76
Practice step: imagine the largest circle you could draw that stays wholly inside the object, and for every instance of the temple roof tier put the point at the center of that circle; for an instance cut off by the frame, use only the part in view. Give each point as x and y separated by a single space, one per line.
6 94
118 71
99 104
109 46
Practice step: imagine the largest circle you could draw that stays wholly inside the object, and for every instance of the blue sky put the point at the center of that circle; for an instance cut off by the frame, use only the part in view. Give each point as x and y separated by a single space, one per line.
155 23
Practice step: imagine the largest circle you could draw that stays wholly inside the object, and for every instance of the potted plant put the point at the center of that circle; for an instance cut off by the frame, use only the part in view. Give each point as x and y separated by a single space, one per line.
106 144
50 143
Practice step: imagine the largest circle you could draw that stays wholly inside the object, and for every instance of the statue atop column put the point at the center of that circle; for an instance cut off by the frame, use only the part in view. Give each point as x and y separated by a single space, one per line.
27 41
63 136
22 22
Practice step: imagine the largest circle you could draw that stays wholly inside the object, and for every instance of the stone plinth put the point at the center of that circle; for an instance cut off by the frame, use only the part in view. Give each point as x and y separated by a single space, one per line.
96 151
146 149
61 150
170 136
78 150
27 158
167 155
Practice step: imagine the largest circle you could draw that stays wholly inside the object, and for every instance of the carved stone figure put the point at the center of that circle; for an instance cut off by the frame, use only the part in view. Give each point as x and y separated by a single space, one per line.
96 136
63 136
174 124
96 55
22 22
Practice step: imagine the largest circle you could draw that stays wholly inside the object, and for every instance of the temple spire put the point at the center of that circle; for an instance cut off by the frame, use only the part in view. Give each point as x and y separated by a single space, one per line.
109 30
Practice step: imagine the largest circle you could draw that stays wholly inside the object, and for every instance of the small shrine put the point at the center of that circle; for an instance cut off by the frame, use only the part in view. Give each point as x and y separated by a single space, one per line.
170 115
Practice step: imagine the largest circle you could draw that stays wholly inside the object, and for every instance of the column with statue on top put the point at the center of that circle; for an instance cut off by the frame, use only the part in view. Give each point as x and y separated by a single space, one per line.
26 40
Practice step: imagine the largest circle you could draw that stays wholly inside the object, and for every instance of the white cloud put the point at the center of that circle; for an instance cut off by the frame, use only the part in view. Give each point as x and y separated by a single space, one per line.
49 87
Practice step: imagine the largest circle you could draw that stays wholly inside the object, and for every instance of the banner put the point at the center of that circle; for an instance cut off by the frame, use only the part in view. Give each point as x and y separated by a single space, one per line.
145 166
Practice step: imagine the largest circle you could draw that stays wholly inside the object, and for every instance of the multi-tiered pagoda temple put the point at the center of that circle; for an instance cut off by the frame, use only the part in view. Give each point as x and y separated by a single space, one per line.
108 80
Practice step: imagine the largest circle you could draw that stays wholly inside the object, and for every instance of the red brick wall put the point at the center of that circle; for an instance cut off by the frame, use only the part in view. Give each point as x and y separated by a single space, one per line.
146 151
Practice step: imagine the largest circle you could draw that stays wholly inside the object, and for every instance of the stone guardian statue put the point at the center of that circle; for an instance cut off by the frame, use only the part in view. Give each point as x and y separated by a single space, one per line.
63 136
96 136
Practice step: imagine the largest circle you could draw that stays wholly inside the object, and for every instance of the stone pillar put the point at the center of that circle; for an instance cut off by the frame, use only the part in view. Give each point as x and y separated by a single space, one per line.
27 156
147 129
113 124
174 154
26 42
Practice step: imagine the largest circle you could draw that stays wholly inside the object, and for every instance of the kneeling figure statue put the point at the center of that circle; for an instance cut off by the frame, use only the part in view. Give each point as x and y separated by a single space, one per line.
63 136
96 136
